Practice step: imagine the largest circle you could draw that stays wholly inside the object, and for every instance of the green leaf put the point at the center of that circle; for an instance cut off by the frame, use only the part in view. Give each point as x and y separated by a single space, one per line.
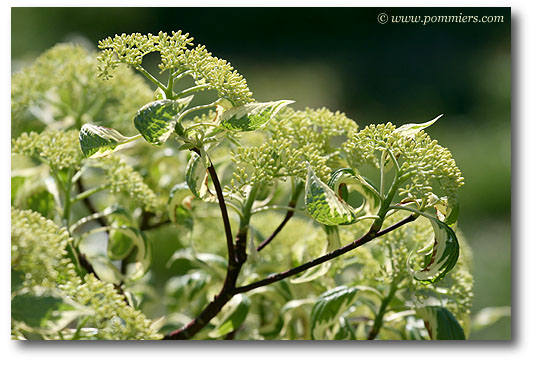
105 270
251 116
98 141
441 323
17 280
121 241
45 311
443 255
332 234
410 129
186 286
324 205
16 184
43 202
346 331
235 316
212 263
156 120
178 203
292 311
345 179
329 307
197 178
139 267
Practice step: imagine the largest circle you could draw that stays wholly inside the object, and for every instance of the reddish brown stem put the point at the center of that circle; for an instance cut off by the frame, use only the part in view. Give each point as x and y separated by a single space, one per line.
315 262
288 216
218 302
235 261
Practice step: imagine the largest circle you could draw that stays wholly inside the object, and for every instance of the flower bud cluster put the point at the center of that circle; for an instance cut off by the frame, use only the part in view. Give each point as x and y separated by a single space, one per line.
58 149
38 249
124 179
425 165
206 70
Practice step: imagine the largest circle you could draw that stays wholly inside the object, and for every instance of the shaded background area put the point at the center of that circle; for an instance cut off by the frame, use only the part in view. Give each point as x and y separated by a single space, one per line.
344 59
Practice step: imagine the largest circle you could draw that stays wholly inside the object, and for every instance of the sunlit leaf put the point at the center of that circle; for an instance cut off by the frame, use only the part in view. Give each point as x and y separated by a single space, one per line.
329 307
156 120
411 129
324 205
236 313
105 269
441 323
448 210
443 254
344 180
98 141
252 116
197 178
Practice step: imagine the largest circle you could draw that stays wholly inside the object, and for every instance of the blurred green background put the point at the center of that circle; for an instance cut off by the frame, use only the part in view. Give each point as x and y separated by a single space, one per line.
344 59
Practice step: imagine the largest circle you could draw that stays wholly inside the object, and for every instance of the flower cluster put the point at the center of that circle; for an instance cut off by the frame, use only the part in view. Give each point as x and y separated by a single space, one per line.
424 164
276 158
295 139
60 90
124 179
58 149
178 56
38 249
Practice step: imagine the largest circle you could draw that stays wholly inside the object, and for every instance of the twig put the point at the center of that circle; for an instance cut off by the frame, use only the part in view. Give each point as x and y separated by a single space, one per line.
234 267
224 212
315 262
288 216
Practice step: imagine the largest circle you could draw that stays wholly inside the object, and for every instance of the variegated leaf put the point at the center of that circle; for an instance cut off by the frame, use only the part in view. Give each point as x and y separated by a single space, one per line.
324 205
441 323
98 141
237 311
197 178
345 331
178 211
332 234
329 307
156 120
448 210
443 255
121 241
344 179
252 116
